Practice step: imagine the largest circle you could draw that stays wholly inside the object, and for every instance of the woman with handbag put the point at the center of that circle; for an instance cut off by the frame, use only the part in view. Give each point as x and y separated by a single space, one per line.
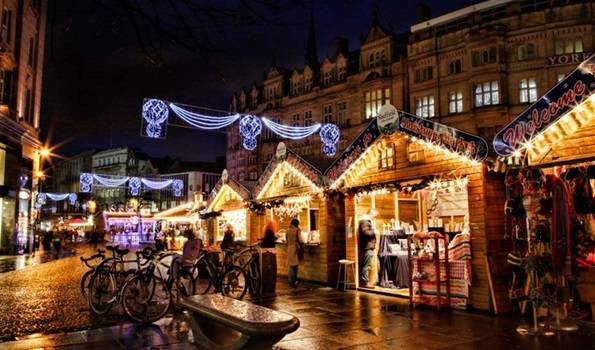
294 251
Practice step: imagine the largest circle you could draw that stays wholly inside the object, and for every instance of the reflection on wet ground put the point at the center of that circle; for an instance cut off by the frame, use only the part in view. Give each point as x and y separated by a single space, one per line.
40 299
18 262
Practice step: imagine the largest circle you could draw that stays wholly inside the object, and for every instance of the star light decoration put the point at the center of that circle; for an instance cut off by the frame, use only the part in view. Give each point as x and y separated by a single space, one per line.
178 186
250 128
155 113
85 182
134 185
329 135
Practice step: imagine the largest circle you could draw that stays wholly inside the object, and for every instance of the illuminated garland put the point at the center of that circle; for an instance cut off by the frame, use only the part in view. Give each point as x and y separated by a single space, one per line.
260 206
202 121
291 132
156 185
111 182
42 198
134 183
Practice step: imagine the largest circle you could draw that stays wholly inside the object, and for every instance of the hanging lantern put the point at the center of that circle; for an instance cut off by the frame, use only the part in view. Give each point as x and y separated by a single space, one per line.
250 128
134 185
329 135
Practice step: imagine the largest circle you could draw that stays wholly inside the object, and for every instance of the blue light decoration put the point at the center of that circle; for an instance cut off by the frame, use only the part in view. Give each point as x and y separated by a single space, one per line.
291 132
72 198
57 196
329 135
85 182
41 198
23 180
134 185
156 185
203 121
155 113
111 181
178 186
37 205
250 128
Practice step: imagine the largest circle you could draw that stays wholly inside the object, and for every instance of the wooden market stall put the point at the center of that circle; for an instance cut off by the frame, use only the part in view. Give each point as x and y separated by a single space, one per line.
410 176
228 199
550 152
172 223
129 227
290 187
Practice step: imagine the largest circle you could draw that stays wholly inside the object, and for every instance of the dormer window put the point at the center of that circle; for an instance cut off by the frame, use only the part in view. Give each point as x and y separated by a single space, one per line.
341 73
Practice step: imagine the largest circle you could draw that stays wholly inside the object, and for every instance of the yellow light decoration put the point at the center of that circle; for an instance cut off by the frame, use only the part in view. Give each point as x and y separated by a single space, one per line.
282 169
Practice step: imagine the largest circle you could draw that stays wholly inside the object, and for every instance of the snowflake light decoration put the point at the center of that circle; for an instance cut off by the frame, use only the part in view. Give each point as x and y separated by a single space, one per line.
178 186
72 198
134 185
86 182
329 135
250 128
155 113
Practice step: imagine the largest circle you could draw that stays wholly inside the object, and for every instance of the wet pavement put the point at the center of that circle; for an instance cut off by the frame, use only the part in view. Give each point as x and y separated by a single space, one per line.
18 262
45 298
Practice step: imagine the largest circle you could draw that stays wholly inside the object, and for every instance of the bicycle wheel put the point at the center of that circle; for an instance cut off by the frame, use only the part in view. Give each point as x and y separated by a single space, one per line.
233 282
182 287
102 291
254 277
146 298
86 282
202 276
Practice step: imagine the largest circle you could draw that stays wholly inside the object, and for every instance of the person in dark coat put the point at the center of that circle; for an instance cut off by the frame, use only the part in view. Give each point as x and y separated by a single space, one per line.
367 244
228 238
270 237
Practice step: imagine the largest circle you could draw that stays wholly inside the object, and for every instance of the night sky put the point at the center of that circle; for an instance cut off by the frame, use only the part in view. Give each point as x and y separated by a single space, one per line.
104 57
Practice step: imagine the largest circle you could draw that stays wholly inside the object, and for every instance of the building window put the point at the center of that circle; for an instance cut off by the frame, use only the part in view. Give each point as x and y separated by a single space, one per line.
6 25
6 86
327 114
424 106
28 115
241 176
307 118
374 100
253 175
560 77
455 102
527 90
424 74
295 89
485 56
342 73
295 120
487 94
328 77
455 67
342 113
387 157
526 51
308 84
31 58
563 46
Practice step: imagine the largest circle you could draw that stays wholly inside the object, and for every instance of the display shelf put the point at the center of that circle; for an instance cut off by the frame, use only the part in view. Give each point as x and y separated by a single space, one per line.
420 297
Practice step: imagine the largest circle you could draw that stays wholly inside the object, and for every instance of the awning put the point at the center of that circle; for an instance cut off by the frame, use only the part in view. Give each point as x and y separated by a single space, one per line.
574 90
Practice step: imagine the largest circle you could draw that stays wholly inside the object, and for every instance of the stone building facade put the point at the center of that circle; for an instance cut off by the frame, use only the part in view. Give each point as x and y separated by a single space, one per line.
22 41
475 69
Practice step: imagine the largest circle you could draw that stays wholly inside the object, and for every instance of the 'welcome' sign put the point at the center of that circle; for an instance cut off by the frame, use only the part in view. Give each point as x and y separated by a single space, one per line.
573 90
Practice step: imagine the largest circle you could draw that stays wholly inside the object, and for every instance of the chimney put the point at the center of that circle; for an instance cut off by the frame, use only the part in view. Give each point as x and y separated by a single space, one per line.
423 12
340 45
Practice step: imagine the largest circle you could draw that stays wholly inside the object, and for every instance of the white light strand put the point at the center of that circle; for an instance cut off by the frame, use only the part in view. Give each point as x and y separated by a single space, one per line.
156 185
291 132
111 182
202 121
57 196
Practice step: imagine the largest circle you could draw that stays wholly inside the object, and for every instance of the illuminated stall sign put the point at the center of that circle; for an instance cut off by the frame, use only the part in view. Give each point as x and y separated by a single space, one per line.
574 89
456 141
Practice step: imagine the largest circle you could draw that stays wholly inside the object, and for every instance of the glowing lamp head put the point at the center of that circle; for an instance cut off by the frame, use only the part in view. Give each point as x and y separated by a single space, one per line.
45 152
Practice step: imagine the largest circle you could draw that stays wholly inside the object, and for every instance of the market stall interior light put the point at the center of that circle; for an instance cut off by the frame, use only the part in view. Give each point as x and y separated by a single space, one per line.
282 169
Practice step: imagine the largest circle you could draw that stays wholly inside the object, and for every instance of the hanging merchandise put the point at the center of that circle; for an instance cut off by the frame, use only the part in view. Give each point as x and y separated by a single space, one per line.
178 186
250 128
291 132
110 182
329 135
156 185
134 185
155 113
202 121
85 182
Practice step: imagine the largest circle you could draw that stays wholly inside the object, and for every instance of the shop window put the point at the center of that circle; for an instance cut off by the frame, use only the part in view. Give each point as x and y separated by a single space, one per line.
295 120
455 102
290 180
415 153
527 90
424 106
564 46
424 74
313 219
526 51
341 113
387 157
455 67
327 115
487 93
374 100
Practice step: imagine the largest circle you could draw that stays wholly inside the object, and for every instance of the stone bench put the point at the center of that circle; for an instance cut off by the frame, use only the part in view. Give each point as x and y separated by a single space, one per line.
219 322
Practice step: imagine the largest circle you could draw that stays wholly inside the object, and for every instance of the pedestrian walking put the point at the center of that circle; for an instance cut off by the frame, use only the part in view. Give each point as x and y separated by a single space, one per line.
57 242
294 251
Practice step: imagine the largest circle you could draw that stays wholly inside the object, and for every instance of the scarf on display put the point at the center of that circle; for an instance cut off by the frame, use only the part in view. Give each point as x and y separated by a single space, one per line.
561 232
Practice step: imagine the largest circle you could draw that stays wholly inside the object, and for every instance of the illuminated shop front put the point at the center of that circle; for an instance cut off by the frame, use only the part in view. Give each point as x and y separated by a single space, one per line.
129 227
419 182
228 200
289 188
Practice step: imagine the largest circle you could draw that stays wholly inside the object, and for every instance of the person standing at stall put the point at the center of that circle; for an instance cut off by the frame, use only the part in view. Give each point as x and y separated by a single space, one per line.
228 238
270 237
367 244
294 250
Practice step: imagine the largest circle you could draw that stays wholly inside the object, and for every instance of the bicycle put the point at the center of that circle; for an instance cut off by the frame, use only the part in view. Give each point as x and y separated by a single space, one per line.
249 259
226 277
146 297
86 278
183 285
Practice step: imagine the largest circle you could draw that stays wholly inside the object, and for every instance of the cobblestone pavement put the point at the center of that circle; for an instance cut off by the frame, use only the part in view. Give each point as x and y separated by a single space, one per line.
45 298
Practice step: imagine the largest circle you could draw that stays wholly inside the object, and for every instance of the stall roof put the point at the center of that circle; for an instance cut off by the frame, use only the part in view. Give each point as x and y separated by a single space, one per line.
426 131
240 189
310 173
561 112
180 210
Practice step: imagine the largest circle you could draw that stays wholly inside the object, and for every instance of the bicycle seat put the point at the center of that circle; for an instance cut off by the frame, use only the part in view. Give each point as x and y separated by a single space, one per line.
112 248
122 251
